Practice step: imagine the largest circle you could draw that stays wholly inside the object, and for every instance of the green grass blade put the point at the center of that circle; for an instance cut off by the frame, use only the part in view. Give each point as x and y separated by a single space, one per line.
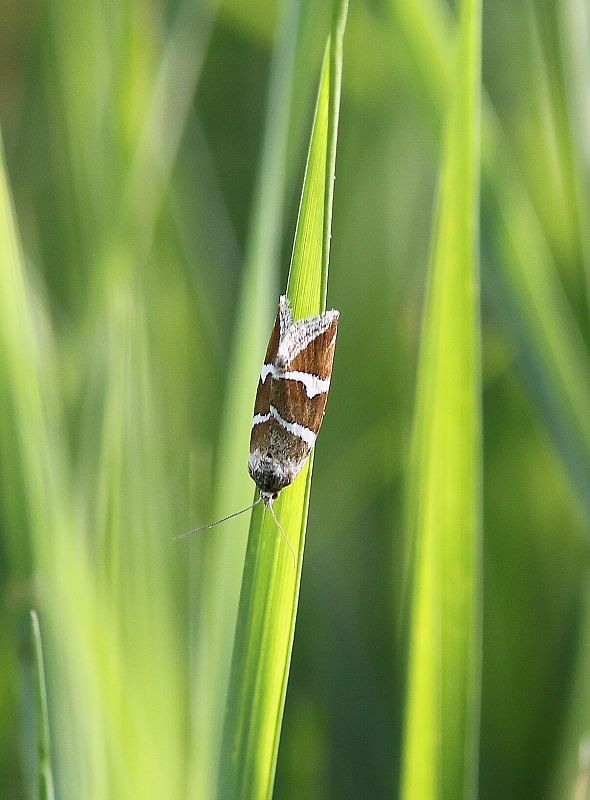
562 216
525 275
554 357
270 588
574 25
444 503
45 775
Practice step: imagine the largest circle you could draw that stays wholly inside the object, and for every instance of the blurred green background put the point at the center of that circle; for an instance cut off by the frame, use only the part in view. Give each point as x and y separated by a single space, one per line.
137 139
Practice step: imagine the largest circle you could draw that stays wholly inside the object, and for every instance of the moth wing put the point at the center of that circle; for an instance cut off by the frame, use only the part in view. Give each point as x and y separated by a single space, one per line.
309 345
308 351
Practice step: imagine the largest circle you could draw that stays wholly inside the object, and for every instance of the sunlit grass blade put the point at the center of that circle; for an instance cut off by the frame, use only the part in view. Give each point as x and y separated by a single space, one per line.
575 30
558 190
533 304
270 587
525 275
444 497
44 771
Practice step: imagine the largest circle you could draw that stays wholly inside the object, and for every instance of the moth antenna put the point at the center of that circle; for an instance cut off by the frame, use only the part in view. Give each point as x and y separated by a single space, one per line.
283 534
217 522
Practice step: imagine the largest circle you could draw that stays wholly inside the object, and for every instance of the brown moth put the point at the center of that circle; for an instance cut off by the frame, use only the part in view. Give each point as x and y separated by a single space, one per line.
290 403
291 398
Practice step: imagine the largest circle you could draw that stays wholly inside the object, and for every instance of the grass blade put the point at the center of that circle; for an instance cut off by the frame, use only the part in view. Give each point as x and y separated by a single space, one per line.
444 502
270 588
45 774
525 278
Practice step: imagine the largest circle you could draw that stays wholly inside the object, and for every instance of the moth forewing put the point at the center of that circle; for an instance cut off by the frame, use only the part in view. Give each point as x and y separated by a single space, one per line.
290 403
291 397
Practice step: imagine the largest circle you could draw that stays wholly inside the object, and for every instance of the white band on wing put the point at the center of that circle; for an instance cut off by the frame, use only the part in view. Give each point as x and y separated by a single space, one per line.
313 384
305 434
258 419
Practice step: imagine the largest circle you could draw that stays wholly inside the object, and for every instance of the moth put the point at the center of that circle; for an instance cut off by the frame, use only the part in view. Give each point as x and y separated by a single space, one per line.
290 402
291 398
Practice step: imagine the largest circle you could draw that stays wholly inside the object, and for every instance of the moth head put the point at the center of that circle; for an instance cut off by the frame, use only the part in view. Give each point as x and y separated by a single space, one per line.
268 498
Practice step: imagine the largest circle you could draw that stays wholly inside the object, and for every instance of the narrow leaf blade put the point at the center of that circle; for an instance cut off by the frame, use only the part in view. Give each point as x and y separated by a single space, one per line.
45 774
270 588
444 503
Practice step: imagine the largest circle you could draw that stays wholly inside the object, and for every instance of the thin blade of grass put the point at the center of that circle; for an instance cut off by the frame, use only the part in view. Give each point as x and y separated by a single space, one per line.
45 774
574 18
444 500
525 276
270 588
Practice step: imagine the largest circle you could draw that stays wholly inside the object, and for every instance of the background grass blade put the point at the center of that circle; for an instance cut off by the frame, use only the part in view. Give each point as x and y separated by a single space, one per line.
45 774
574 30
523 277
268 602
443 685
